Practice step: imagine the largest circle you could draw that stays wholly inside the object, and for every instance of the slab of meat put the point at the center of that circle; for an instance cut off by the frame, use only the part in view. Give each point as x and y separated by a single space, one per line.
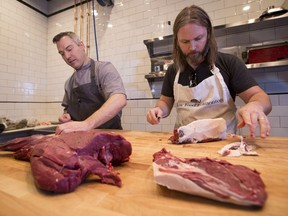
23 146
18 143
213 179
203 130
60 163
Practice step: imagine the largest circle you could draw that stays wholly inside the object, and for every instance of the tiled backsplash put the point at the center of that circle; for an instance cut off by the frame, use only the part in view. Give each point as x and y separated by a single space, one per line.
134 116
32 73
272 80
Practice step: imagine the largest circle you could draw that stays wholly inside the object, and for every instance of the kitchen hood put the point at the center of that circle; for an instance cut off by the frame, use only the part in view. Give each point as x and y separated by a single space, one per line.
272 12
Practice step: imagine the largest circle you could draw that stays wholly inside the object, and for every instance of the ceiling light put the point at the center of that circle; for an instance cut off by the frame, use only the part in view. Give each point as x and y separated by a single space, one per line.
246 8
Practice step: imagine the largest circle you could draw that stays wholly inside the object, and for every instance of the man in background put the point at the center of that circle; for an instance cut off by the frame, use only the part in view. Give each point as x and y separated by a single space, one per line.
203 83
94 94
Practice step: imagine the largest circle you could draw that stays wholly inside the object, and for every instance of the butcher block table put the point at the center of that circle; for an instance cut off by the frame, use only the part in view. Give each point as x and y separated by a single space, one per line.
140 195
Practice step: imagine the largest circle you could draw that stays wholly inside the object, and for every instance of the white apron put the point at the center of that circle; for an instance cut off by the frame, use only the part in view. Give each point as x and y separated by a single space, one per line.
209 99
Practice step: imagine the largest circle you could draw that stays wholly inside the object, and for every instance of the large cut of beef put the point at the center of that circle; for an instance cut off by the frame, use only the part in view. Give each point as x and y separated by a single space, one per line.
203 130
213 179
23 146
60 163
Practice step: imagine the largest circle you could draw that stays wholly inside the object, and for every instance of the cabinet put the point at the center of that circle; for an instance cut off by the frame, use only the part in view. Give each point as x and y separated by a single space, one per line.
239 38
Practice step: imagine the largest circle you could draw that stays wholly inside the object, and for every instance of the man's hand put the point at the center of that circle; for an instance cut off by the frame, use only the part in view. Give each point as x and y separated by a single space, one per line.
72 126
252 115
153 115
64 118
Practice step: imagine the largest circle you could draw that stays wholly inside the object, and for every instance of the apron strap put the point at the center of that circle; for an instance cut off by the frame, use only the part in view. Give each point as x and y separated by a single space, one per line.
94 75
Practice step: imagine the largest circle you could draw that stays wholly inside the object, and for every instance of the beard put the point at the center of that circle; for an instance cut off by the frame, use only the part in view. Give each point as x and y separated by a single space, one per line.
196 57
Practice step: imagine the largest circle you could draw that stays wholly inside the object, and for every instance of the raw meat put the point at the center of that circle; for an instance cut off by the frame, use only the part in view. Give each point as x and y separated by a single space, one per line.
213 179
203 130
236 149
18 143
23 146
60 163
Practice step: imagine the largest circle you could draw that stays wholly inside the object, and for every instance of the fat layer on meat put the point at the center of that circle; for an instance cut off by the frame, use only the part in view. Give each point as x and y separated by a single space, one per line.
213 179
202 130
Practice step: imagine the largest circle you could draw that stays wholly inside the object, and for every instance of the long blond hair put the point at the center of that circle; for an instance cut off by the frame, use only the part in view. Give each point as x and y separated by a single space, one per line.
193 14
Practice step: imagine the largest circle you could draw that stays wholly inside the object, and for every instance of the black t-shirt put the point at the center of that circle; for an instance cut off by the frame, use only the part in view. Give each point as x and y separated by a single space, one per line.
233 70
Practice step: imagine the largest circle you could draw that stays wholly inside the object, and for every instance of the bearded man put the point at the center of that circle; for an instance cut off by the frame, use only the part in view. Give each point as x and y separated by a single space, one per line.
203 83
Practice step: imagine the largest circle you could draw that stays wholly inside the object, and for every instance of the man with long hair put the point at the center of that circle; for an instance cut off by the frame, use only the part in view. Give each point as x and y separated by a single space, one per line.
203 83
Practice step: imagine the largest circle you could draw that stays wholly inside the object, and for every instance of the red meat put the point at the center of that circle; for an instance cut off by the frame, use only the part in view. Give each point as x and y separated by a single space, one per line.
213 179
60 163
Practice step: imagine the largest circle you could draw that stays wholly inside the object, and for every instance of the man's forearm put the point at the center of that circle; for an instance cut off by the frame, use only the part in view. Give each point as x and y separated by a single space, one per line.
262 100
108 110
165 104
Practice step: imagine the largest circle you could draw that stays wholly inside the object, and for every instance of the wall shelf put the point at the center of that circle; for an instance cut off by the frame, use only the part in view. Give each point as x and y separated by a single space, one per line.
268 64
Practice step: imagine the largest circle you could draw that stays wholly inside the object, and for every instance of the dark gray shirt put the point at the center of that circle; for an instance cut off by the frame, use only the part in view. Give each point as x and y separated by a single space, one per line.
233 70
107 75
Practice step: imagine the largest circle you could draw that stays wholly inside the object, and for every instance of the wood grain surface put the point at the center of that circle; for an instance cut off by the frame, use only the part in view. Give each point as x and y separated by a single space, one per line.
140 195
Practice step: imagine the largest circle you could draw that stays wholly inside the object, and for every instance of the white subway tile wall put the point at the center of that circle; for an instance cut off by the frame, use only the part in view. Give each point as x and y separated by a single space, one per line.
32 73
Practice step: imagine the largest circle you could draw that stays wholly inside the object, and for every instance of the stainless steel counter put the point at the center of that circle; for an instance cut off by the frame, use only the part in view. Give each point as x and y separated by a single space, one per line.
28 131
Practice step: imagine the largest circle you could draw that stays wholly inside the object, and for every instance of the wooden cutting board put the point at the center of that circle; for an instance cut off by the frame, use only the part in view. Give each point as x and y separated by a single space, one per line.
139 194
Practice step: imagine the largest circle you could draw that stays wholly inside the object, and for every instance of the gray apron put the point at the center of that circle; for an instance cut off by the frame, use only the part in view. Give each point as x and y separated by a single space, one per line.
88 98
